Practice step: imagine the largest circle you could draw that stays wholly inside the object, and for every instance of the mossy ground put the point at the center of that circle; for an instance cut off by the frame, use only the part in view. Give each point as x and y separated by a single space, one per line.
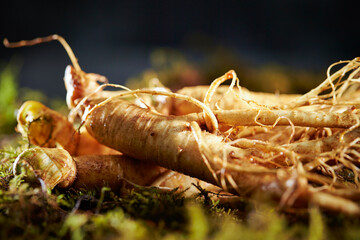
29 212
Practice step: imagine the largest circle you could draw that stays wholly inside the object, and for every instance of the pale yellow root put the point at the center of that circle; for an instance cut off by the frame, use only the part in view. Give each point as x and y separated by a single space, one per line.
227 100
279 135
48 128
212 123
184 184
45 127
253 117
315 147
179 145
224 97
167 130
56 168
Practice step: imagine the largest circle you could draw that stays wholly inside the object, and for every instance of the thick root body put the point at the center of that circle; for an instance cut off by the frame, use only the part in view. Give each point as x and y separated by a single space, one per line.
174 143
226 100
169 142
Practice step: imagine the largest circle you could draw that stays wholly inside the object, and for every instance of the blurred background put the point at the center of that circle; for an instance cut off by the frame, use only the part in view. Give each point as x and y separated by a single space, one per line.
283 46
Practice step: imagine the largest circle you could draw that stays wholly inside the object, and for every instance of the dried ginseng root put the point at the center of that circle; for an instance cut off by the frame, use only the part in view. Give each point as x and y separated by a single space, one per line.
196 146
260 117
57 168
340 88
227 97
45 127
177 144
42 123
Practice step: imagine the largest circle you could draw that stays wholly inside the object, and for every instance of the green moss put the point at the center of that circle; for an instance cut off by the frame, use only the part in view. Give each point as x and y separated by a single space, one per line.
316 229
8 99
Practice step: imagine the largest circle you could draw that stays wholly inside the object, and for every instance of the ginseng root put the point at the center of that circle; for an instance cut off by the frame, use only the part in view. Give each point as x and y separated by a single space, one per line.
176 144
227 97
57 168
241 166
333 91
253 117
45 127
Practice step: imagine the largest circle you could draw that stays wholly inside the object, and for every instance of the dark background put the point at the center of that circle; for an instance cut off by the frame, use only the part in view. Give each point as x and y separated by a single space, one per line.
116 38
